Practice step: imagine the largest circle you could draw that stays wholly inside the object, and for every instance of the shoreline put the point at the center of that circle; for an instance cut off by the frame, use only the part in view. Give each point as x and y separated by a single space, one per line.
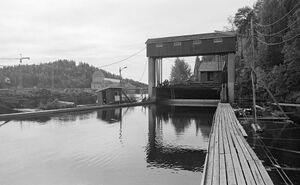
65 110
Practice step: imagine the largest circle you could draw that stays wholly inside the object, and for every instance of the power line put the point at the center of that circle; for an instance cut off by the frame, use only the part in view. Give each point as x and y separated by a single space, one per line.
276 43
123 59
266 25
270 35
271 158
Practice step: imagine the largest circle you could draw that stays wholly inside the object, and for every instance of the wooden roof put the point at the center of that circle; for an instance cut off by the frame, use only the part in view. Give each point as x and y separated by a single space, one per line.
191 37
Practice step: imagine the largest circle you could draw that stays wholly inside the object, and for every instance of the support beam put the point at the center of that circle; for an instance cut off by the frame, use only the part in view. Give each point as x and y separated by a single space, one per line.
156 71
151 76
158 63
161 71
231 77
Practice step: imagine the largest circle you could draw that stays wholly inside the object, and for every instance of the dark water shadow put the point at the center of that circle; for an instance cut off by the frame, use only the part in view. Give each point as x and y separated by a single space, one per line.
110 115
279 141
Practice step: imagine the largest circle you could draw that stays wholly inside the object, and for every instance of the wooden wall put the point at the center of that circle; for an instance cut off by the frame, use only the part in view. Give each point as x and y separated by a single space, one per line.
189 48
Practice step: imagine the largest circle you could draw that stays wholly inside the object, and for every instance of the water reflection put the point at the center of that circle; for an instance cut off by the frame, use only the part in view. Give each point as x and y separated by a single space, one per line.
139 145
40 119
182 117
110 115
74 116
175 155
60 117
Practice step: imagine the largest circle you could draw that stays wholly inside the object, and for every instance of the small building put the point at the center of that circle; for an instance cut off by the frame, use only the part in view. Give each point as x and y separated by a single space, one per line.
211 72
97 80
111 95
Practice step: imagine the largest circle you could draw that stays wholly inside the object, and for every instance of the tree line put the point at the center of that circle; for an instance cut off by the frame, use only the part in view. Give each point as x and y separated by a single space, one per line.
276 28
57 74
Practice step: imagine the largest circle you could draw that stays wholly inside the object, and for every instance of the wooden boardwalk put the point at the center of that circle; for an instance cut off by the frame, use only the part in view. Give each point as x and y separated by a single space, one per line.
230 160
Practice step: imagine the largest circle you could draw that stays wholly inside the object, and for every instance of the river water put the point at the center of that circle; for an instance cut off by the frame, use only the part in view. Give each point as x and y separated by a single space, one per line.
278 146
139 145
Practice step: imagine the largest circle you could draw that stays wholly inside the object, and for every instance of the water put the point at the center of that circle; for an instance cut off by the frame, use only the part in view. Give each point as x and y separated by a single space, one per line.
156 145
283 145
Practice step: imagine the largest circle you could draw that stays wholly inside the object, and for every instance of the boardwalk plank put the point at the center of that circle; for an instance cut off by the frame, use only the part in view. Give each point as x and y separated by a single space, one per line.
231 179
258 171
254 169
225 138
230 159
236 121
209 171
245 166
208 176
221 146
236 164
264 173
250 150
216 166
223 179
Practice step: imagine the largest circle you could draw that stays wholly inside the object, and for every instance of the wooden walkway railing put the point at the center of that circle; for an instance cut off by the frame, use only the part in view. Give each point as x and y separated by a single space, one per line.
230 160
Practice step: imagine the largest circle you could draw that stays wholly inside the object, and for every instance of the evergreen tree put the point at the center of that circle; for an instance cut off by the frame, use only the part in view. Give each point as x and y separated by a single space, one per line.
180 71
196 67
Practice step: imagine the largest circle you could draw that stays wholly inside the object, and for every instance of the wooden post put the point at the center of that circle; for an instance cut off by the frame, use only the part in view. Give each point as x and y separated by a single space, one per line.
252 74
100 98
230 77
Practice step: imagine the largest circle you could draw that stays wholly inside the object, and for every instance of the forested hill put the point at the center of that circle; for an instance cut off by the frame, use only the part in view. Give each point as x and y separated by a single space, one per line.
63 74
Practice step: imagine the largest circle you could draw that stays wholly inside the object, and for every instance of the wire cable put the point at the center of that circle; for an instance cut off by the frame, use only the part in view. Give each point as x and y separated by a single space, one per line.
106 65
266 25
270 35
276 43
271 158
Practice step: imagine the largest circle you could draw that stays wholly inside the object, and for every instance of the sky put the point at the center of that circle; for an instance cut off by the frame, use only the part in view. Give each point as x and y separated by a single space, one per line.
101 32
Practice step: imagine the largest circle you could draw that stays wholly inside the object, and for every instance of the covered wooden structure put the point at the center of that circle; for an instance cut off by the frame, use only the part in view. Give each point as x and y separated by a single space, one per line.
217 43
111 95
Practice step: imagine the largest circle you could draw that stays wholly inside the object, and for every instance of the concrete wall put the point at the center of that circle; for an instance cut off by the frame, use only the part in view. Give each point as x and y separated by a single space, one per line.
151 77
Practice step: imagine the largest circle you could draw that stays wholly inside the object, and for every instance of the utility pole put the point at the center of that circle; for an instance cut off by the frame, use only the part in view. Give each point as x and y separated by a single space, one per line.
21 72
252 73
21 58
120 72
52 77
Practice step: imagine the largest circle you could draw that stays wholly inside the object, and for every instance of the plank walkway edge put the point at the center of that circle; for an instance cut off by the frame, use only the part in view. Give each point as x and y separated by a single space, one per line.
230 160
65 110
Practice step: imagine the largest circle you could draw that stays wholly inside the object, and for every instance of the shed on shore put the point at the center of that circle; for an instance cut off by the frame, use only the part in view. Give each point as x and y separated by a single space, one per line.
111 95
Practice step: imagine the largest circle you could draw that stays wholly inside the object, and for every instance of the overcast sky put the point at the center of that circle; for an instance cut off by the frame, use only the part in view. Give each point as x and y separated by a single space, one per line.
100 32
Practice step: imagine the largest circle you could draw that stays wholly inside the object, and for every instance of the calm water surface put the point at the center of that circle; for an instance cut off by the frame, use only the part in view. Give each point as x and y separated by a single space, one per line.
279 141
156 145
